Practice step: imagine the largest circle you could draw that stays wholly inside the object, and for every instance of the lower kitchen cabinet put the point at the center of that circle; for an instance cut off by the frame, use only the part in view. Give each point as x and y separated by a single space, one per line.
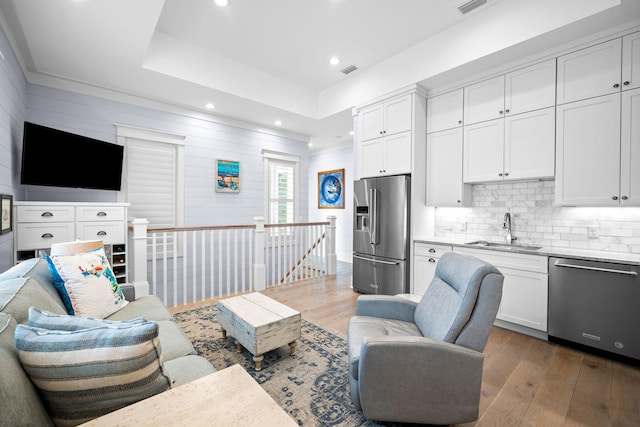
525 288
425 259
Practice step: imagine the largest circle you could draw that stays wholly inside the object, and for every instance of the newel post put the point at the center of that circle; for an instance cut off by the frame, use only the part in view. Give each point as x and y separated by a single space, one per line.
138 256
332 258
259 267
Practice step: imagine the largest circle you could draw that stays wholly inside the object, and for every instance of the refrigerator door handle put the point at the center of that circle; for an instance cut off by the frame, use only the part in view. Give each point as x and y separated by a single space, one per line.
373 201
376 261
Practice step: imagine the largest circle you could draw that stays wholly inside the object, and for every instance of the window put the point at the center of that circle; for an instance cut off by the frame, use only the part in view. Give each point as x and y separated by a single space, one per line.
281 187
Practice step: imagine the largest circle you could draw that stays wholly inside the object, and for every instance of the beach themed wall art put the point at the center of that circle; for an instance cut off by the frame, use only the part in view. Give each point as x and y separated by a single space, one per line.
228 176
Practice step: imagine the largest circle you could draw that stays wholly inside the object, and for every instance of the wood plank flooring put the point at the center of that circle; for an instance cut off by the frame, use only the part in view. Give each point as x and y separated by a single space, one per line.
526 381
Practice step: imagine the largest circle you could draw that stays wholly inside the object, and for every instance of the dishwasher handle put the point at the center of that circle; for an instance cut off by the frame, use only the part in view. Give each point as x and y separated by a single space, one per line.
605 270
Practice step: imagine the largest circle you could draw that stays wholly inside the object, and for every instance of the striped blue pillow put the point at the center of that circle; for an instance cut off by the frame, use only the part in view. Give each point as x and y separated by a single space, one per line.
66 322
84 374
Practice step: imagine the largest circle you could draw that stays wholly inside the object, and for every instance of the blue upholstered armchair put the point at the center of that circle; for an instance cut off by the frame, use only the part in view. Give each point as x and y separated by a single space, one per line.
421 362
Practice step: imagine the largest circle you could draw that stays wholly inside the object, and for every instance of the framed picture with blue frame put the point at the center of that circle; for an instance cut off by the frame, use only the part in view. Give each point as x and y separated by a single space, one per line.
331 189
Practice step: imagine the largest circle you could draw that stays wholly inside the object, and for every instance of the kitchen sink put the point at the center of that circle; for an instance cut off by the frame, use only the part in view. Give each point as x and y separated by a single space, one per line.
513 246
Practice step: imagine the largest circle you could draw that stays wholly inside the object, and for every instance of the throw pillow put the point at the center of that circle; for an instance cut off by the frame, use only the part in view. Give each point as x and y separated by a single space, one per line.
81 375
64 322
86 284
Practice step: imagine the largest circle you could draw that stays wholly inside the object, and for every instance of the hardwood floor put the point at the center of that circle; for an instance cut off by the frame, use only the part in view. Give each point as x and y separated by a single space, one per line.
526 381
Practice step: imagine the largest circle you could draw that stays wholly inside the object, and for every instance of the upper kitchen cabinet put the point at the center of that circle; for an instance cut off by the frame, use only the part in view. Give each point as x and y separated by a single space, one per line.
445 111
386 118
530 88
391 131
444 170
630 148
598 70
631 61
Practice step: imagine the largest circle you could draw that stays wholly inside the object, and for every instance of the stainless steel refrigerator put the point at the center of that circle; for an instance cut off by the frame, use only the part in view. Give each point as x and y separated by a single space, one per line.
381 235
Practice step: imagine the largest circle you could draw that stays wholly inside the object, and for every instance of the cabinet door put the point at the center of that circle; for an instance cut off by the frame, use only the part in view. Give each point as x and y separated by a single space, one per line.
524 298
631 61
444 169
444 111
397 115
530 88
588 152
483 151
589 72
630 149
371 122
484 101
529 145
397 154
424 270
372 158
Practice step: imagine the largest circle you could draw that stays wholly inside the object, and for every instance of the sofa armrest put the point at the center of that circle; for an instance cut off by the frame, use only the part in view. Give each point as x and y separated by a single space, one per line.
419 379
386 306
129 291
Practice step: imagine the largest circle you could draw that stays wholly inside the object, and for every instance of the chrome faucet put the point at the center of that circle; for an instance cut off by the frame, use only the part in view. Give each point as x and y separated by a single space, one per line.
509 238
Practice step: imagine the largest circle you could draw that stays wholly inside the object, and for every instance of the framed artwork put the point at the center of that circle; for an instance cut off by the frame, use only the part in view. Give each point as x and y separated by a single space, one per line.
228 176
6 213
331 189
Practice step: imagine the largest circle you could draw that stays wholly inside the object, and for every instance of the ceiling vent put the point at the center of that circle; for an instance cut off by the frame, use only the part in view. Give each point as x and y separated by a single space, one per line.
349 69
469 6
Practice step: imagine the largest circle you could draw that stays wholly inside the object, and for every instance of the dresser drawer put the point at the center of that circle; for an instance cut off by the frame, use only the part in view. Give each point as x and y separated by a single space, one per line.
100 213
46 213
431 250
36 236
109 232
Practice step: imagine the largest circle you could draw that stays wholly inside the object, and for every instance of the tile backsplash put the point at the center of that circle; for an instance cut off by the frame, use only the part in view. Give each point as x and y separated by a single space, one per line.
536 220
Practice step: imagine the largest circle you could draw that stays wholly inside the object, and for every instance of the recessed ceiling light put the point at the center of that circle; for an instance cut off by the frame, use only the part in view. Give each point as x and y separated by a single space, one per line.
278 123
310 144
334 61
222 3
210 106
350 132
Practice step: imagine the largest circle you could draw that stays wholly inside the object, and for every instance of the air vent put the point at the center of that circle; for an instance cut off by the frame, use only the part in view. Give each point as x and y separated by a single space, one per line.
469 6
349 69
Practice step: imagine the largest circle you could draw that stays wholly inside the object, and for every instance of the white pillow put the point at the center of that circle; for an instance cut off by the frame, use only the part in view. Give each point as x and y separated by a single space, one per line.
86 284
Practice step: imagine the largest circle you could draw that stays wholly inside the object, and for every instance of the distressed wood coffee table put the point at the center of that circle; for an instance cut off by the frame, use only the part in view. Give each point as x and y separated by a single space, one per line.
259 324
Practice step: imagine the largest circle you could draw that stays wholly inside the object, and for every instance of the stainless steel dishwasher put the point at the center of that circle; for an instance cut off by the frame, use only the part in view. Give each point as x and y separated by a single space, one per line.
595 304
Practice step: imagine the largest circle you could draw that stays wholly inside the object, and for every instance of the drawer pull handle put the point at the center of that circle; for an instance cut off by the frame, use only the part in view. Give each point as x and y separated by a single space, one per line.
606 270
433 251
101 213
432 260
102 233
47 214
47 236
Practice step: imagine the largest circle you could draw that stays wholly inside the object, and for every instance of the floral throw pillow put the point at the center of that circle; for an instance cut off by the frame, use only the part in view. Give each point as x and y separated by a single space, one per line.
86 284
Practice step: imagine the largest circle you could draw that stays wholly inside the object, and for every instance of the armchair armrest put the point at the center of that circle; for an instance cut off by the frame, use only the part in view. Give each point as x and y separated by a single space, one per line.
386 306
394 373
129 291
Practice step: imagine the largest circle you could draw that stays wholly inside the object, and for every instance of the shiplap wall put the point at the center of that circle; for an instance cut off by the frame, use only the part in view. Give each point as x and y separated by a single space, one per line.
12 113
337 158
205 142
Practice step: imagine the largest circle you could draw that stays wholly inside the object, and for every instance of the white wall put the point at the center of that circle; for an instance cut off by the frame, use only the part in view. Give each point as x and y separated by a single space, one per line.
12 112
337 158
205 142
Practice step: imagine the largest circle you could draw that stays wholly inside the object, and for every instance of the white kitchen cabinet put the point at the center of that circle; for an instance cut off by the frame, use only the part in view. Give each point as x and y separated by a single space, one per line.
525 288
588 152
444 170
425 259
630 149
631 61
386 118
483 151
527 89
445 111
41 224
390 155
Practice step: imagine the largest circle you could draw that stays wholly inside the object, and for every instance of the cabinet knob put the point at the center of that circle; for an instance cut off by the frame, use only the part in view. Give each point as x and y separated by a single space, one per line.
499 174
616 85
459 201
627 83
501 112
615 197
506 111
459 122
506 174
624 197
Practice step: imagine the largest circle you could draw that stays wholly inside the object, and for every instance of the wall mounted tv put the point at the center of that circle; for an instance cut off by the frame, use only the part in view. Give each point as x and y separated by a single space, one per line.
61 159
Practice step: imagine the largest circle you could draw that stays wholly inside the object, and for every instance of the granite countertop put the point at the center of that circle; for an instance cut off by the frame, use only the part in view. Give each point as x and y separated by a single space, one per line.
589 255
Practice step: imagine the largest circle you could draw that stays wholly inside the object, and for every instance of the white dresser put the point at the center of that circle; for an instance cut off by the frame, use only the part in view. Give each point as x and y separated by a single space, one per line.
40 224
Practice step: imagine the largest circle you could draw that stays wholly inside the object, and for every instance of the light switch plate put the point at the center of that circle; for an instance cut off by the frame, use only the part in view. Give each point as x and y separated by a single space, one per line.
593 232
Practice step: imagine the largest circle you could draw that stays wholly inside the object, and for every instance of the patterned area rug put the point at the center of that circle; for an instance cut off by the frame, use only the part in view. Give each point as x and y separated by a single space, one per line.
312 386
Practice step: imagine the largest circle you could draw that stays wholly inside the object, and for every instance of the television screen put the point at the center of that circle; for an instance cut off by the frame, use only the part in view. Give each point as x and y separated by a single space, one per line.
61 159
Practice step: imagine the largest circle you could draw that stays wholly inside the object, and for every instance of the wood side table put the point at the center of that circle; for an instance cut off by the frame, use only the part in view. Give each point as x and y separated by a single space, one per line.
259 324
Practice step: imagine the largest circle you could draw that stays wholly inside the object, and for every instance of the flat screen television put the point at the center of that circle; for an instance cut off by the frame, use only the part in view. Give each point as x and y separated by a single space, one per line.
61 159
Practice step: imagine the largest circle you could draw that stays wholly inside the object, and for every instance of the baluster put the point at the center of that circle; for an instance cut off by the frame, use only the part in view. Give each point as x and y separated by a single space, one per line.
211 264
